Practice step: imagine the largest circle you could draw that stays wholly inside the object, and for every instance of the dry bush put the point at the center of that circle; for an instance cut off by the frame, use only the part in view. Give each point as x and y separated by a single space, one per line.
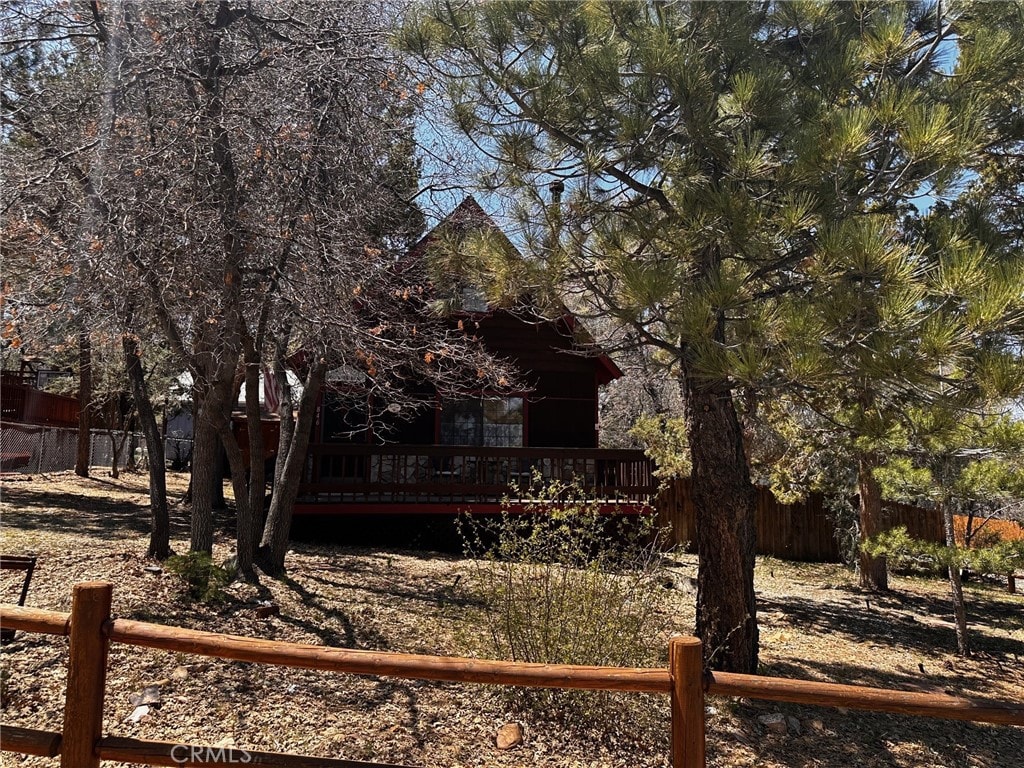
562 583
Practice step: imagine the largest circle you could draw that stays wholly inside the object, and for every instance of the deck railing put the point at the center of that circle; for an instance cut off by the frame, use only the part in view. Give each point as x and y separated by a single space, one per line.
425 474
34 406
91 628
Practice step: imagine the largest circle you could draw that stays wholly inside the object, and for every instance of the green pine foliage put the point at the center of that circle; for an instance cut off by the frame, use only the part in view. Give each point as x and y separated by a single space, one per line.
928 556
664 439
204 579
959 459
739 177
742 183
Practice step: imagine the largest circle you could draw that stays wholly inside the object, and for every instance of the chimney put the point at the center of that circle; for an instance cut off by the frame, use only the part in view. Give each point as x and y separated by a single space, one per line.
556 188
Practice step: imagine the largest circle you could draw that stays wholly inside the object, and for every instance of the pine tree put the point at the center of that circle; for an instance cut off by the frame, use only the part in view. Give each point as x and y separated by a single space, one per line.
991 54
662 123
954 460
729 182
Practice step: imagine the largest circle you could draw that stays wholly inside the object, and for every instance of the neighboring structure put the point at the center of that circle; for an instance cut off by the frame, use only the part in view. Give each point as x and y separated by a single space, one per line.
470 452
22 399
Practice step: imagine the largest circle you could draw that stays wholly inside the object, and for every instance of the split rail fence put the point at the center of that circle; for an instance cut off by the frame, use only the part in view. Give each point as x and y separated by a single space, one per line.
91 629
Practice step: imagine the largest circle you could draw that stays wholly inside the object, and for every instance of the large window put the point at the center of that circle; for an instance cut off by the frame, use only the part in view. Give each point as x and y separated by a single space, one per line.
495 423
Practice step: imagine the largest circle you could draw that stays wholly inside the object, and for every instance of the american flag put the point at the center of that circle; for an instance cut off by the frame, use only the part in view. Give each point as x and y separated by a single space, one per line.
271 394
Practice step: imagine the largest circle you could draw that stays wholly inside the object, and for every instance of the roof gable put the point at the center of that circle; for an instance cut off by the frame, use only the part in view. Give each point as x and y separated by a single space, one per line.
468 218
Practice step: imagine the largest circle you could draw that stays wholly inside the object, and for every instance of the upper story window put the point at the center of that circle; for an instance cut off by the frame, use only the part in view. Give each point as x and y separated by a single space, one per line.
472 299
492 423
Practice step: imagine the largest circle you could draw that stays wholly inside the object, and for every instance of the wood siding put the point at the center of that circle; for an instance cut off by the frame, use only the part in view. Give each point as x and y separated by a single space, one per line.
560 387
562 383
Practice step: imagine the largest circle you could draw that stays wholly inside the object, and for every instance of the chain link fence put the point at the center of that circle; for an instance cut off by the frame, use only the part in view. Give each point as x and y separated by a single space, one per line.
33 448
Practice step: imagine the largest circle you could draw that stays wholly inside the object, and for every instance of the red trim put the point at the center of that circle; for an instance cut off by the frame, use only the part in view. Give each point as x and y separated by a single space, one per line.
342 509
611 370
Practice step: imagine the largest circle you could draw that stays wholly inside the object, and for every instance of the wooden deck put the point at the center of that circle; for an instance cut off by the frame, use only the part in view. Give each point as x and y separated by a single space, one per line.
22 403
360 479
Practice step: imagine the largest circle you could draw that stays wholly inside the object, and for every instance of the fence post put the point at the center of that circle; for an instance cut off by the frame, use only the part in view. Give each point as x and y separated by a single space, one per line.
87 671
686 669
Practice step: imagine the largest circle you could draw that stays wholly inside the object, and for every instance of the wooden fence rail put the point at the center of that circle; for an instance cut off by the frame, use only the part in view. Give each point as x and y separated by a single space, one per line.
91 629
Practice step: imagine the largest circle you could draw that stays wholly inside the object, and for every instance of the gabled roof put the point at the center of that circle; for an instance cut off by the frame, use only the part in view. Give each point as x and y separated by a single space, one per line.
469 216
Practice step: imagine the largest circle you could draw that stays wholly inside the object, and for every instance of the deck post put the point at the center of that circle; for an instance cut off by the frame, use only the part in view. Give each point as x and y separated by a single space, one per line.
686 669
87 671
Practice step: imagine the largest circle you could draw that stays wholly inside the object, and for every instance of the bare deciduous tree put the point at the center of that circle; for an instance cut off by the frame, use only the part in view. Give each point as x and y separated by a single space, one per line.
244 178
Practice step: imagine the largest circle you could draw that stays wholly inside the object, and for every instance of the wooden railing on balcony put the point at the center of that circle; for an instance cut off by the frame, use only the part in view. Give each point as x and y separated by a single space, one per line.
433 474
21 403
19 378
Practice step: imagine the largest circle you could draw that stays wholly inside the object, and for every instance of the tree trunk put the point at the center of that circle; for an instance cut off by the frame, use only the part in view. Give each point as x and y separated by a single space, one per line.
245 535
220 470
257 479
84 404
160 522
207 458
285 414
724 500
291 459
247 482
160 527
115 459
969 529
955 586
204 448
874 574
117 444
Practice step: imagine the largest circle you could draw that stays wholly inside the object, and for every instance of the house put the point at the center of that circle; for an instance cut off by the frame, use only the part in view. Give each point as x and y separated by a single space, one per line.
468 452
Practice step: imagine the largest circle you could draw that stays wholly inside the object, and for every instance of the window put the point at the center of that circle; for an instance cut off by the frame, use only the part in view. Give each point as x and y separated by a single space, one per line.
472 299
496 423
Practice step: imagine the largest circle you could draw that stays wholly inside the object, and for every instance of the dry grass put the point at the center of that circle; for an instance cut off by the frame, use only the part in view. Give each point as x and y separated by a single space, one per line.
815 624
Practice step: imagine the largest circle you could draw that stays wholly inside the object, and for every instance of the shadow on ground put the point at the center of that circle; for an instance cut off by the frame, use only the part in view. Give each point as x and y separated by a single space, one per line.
914 623
852 738
421 532
31 510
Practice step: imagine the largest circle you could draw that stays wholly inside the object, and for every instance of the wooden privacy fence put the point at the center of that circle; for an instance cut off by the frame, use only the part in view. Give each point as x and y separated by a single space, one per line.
801 531
34 406
91 629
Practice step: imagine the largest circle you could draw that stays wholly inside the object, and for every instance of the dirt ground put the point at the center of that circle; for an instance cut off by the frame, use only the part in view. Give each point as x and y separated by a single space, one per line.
815 624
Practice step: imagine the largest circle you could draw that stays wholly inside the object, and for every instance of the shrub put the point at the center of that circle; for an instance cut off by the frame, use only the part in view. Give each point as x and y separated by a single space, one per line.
204 579
563 584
